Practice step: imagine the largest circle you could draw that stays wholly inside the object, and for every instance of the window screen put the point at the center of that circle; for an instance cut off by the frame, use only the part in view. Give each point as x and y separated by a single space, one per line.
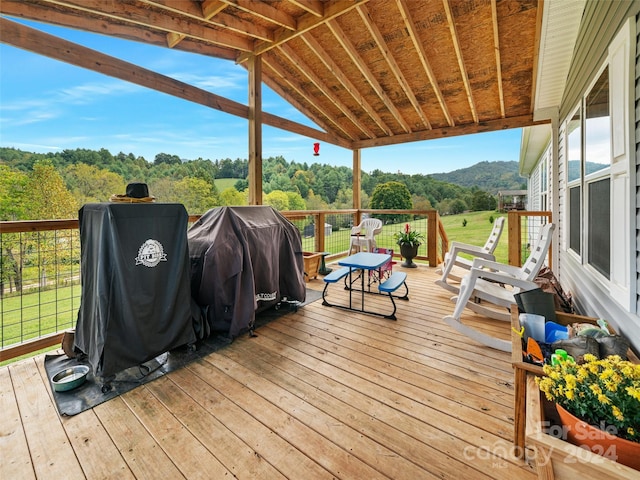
599 226
574 219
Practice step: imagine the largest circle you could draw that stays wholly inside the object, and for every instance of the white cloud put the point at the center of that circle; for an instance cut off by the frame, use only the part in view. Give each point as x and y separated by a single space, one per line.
213 83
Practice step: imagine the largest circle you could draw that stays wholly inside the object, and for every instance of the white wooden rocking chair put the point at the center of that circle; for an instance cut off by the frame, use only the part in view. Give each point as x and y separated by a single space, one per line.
488 281
452 257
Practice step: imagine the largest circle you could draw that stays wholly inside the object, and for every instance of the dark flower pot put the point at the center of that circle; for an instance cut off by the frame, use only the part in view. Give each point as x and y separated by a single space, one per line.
408 252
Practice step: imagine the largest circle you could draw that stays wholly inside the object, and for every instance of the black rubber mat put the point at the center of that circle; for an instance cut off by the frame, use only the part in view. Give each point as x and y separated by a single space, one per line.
95 391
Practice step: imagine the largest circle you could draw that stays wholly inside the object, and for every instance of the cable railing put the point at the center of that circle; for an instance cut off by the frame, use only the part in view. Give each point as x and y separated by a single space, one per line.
40 266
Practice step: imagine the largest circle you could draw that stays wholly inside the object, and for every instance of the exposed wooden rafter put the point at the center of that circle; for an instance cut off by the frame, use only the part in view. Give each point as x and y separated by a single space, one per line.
305 70
357 60
332 9
211 8
393 65
329 119
263 11
347 84
368 72
314 7
470 129
134 14
422 55
74 19
461 65
213 14
496 45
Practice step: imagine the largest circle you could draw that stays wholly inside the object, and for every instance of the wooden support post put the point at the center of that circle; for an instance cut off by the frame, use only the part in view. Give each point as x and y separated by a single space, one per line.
515 238
320 240
255 130
432 239
357 179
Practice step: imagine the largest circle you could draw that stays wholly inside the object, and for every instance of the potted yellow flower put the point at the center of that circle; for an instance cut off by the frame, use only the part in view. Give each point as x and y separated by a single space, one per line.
598 403
409 241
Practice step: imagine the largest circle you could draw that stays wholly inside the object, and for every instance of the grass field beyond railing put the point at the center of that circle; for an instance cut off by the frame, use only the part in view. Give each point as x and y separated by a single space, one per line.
476 231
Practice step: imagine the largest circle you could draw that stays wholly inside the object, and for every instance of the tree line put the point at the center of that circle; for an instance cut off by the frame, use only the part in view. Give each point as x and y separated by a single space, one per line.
55 185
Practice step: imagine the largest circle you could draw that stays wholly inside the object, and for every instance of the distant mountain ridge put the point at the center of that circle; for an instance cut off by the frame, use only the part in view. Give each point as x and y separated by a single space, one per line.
488 176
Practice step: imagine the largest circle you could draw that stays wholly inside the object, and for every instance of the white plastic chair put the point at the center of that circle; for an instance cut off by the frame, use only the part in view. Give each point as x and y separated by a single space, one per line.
364 234
488 281
452 257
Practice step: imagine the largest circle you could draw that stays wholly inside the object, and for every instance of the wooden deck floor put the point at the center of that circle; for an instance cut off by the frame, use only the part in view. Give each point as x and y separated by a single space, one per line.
319 393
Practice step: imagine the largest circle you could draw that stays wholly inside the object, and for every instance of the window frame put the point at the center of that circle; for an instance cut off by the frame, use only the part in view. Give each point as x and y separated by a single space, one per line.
584 181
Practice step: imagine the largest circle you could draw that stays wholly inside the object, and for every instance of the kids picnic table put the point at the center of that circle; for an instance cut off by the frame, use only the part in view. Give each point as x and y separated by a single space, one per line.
356 267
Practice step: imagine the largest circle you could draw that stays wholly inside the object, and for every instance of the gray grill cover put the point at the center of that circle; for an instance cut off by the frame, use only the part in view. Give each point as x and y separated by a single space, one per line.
135 301
243 260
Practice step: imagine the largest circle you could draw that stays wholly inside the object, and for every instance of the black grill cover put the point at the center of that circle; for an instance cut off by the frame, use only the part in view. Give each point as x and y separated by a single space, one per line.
243 260
135 301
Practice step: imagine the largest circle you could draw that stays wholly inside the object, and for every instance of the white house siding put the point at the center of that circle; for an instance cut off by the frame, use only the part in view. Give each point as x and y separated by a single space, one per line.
561 194
637 141
592 296
533 189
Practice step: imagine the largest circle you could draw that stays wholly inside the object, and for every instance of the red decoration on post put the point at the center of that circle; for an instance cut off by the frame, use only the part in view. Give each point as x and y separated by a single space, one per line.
316 149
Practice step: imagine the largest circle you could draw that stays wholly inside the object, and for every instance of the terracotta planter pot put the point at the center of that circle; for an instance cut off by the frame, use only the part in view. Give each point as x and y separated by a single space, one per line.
598 441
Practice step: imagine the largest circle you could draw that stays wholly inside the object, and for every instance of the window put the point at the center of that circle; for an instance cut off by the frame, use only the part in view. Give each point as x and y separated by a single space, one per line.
598 152
574 147
574 177
575 232
597 155
588 171
599 226
543 183
597 129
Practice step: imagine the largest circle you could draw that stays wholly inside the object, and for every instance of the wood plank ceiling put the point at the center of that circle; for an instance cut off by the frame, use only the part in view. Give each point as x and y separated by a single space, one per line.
367 72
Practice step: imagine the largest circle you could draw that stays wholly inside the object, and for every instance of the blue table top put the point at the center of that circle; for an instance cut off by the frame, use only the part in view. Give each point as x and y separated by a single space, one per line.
366 260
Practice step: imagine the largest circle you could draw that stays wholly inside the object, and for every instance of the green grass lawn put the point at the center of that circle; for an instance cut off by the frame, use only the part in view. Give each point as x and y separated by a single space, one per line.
223 183
477 231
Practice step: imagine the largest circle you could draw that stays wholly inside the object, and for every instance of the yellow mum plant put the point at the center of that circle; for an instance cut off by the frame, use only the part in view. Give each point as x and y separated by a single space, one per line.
604 393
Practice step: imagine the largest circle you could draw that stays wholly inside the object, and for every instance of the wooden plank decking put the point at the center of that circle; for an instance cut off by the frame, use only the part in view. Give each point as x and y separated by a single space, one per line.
319 393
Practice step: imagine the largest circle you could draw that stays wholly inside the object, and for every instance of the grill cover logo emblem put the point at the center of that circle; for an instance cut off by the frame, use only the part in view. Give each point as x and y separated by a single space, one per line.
151 253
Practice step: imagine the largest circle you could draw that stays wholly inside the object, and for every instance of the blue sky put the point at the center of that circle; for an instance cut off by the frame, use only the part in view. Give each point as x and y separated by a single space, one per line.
49 106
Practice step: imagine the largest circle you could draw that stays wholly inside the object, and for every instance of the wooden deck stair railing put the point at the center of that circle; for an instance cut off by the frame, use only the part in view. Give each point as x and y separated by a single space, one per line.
444 241
517 222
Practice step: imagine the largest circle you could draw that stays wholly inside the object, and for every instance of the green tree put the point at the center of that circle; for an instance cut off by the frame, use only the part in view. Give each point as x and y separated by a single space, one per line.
316 202
167 159
302 180
392 195
197 195
232 197
241 185
12 207
458 206
344 199
482 200
90 184
296 202
47 196
12 190
421 203
277 199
